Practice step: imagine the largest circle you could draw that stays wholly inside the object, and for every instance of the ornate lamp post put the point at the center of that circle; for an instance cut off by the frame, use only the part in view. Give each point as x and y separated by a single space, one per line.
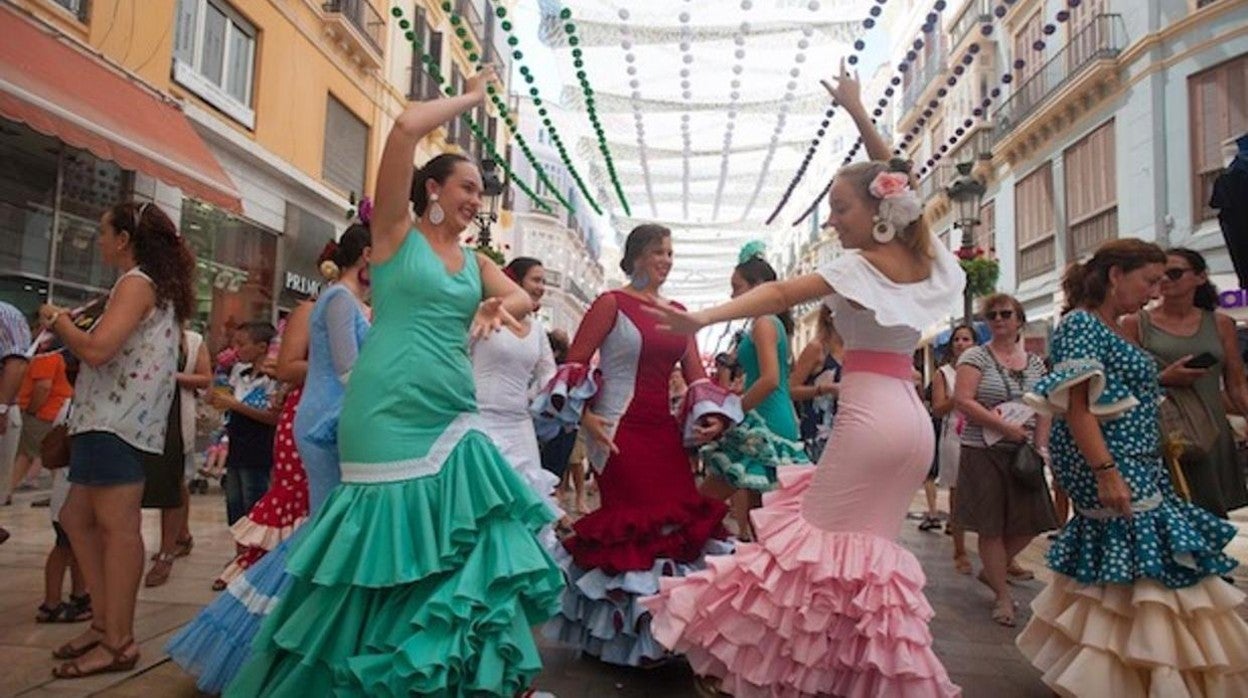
967 194
492 188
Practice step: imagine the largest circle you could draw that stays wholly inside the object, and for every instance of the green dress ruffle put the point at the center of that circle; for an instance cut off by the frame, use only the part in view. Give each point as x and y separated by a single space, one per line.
428 586
748 454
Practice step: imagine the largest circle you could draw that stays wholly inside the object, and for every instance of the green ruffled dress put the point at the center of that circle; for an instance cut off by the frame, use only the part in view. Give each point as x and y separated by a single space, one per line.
748 454
422 573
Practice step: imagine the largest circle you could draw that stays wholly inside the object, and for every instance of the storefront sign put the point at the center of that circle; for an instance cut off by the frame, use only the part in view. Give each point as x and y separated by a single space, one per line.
302 284
1233 299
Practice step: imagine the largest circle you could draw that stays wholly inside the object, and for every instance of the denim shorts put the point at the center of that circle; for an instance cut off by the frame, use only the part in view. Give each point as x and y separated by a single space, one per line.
99 458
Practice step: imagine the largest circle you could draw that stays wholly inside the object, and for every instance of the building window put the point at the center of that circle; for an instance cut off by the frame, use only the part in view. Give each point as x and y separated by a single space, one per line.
346 148
79 8
214 56
986 231
420 76
1033 222
1091 191
1218 100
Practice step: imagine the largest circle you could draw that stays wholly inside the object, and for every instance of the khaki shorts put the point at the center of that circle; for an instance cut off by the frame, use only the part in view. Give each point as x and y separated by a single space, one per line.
33 432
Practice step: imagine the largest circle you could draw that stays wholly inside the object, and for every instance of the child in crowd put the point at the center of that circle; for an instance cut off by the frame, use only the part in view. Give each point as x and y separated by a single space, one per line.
61 556
251 419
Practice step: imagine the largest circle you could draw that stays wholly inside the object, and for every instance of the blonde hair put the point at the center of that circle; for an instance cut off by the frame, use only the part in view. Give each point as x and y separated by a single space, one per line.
917 236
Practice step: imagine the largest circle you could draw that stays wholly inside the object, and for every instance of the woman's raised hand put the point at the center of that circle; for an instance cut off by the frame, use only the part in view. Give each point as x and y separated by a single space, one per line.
847 91
477 83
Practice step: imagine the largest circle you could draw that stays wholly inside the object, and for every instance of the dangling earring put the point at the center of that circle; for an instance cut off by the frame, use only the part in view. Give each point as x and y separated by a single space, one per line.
639 281
883 232
436 214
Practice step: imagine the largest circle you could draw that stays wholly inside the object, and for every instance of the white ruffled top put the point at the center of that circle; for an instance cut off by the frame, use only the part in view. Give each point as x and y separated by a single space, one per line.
876 313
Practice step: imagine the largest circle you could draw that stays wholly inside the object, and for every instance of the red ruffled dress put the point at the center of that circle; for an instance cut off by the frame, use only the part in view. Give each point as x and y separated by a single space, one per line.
284 507
652 521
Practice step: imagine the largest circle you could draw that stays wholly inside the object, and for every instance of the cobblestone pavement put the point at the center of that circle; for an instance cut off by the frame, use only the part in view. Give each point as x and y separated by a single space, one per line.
979 655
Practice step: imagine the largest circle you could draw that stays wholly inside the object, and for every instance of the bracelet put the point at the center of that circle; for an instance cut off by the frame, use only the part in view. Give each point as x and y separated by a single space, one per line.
1107 465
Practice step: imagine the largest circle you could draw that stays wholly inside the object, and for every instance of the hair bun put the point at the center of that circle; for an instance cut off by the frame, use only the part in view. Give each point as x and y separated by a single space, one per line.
899 165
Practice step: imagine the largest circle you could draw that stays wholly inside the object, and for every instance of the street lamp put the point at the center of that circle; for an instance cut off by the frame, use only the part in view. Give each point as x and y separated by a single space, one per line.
491 187
967 193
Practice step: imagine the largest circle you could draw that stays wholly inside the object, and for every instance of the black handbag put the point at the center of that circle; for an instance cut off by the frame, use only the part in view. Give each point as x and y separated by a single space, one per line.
1026 466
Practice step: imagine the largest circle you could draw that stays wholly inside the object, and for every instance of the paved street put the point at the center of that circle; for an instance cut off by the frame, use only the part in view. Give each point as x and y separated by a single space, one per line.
980 656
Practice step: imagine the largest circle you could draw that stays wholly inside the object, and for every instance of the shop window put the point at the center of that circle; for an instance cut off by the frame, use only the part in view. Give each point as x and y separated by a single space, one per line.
302 242
89 186
214 55
346 148
28 165
236 263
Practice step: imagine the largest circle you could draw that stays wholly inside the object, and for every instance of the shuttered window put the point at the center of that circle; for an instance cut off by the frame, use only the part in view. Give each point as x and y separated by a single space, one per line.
1218 100
346 148
1033 222
1091 191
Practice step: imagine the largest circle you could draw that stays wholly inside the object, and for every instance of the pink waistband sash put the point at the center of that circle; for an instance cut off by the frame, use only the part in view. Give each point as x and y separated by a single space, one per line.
885 363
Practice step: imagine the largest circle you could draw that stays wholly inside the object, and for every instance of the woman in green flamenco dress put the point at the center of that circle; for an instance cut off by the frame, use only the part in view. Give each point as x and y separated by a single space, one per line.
745 459
422 573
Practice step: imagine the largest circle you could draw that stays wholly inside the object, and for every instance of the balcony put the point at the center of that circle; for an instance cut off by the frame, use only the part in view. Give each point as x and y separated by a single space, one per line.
974 13
1075 76
922 80
359 27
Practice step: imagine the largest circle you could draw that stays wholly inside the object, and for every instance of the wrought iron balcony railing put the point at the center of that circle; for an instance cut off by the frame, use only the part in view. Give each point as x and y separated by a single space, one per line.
363 16
975 13
1103 37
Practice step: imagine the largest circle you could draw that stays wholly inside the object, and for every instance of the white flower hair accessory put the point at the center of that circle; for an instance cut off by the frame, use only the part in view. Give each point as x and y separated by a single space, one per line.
899 204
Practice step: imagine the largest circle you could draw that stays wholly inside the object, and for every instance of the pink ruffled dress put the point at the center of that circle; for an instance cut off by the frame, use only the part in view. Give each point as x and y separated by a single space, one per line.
826 602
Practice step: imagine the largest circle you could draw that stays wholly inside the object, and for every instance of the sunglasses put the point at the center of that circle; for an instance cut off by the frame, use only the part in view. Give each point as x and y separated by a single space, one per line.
1176 273
1003 314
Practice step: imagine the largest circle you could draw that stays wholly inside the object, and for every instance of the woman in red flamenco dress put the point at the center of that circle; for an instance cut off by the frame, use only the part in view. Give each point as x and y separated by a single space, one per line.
652 522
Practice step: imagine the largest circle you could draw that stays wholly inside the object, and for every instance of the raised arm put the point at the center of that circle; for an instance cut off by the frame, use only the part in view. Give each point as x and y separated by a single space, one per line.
496 284
392 217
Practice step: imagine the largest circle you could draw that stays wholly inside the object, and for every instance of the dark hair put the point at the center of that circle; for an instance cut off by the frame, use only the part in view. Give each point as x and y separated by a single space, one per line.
160 252
1206 294
352 244
1086 283
756 270
259 331
519 267
558 345
958 328
638 240
437 169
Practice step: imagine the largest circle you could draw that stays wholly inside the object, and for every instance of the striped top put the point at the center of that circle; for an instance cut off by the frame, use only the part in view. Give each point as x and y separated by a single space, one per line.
993 389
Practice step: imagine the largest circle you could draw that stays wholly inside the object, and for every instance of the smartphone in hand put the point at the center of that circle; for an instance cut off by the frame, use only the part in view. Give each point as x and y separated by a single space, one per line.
1202 360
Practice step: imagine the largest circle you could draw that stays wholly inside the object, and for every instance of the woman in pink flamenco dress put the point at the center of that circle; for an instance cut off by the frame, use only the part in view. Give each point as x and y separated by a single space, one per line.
826 602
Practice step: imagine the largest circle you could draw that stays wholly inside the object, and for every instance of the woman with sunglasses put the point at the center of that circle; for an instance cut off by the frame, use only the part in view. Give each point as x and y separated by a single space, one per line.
1186 328
1006 511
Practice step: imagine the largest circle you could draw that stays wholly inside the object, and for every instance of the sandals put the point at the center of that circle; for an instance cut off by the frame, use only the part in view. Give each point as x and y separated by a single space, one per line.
1003 614
69 651
184 546
1016 573
159 574
50 614
78 609
219 585
73 670
929 523
962 564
